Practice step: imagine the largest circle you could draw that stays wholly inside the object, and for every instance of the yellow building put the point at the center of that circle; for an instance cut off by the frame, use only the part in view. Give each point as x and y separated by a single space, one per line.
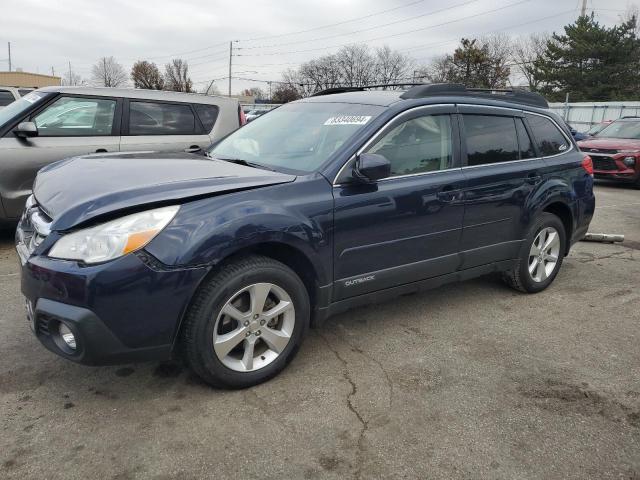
27 80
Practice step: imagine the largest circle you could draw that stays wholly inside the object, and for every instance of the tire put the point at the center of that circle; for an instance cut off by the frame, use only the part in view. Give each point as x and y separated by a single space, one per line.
262 350
520 277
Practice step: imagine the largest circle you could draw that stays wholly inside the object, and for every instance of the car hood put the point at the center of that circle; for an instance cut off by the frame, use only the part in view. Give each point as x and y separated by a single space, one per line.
78 189
610 143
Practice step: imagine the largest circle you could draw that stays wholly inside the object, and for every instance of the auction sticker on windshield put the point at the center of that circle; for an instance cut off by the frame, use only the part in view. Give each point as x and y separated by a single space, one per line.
348 120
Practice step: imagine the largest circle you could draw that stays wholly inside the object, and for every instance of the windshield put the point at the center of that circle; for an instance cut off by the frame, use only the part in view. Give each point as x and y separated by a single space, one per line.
14 109
622 129
296 136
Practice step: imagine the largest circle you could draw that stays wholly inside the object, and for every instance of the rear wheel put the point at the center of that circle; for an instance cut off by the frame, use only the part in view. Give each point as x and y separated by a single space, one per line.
541 256
246 324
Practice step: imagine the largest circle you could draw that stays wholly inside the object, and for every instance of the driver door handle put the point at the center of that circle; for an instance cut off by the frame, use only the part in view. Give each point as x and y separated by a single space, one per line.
193 149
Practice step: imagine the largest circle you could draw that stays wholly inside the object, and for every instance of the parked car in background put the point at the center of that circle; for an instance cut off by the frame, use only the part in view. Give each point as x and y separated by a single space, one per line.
616 151
342 199
53 123
598 127
253 114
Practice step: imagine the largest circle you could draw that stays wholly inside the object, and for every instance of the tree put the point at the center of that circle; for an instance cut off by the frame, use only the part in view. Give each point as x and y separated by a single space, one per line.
477 64
72 79
176 76
146 75
107 72
526 52
391 66
351 66
284 93
254 92
591 62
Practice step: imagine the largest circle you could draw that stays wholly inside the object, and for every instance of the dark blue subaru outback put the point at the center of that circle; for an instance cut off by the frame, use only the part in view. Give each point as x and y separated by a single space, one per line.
346 198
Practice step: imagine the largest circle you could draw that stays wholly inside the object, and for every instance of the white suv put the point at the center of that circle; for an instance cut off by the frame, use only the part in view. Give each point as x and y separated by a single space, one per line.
53 123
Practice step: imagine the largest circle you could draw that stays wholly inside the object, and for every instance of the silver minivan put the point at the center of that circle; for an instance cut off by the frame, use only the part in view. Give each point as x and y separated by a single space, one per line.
53 123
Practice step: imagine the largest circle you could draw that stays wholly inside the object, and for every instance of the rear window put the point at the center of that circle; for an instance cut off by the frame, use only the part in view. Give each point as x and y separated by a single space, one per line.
207 115
622 129
6 97
490 139
548 137
24 91
150 118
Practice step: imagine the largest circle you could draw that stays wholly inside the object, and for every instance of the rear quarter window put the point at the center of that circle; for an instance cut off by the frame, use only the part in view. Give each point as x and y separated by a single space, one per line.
150 118
548 137
6 97
207 115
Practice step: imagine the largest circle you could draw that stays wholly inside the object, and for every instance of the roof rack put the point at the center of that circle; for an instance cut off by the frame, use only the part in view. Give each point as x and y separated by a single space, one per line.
457 89
331 91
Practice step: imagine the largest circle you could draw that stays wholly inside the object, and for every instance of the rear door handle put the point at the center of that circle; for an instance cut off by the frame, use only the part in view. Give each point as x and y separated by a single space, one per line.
193 149
533 178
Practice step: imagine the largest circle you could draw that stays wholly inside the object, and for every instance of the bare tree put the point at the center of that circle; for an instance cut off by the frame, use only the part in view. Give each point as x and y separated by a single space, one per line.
146 75
438 71
107 72
500 49
72 79
351 66
176 76
526 50
392 66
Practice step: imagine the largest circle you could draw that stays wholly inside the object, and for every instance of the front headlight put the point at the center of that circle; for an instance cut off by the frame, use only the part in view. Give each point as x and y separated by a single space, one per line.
113 239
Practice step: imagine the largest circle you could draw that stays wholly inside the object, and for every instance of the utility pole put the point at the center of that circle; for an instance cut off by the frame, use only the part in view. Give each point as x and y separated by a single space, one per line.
583 11
70 78
53 72
104 67
9 47
230 57
269 91
209 87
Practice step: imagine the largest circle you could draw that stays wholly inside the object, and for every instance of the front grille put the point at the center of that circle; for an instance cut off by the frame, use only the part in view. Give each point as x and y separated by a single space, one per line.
34 226
603 163
603 151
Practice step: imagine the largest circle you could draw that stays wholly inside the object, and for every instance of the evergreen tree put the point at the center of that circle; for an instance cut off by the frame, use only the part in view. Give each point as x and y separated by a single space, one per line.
591 62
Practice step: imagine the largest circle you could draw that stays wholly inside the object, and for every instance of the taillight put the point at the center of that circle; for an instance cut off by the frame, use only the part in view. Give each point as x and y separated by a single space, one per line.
241 116
587 164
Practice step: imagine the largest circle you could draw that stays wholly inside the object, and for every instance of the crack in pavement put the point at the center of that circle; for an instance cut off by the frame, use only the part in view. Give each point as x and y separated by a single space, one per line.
350 405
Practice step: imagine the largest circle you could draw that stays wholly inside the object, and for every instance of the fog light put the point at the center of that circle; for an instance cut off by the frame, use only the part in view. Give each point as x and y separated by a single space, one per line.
629 161
67 337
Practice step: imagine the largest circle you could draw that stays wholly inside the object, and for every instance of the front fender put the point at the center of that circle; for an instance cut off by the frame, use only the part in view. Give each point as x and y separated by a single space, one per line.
207 231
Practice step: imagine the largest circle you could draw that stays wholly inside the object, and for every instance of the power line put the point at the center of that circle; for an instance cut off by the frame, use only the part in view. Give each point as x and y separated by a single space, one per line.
504 7
415 17
334 24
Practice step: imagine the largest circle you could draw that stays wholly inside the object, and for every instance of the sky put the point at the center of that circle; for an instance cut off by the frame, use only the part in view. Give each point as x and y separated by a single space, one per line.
268 36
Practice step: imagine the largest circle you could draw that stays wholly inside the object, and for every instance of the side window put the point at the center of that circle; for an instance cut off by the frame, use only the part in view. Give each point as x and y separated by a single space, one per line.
526 145
207 114
24 91
149 118
418 145
6 97
490 139
76 116
549 139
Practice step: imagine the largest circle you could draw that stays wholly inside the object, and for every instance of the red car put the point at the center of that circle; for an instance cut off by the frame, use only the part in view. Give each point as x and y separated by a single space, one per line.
616 151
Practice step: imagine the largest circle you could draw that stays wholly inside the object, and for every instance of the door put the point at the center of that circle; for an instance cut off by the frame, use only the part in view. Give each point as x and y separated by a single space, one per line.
68 126
162 127
501 172
406 227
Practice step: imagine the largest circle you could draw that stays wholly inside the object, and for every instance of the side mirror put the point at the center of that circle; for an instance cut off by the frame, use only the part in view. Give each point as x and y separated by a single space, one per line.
26 129
371 167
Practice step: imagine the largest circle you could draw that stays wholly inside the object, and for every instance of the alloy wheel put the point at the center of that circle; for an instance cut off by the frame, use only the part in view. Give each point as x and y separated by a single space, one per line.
254 327
544 254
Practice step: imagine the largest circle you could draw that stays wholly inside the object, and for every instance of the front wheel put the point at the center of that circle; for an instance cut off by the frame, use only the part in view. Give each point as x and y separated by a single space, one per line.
540 257
246 323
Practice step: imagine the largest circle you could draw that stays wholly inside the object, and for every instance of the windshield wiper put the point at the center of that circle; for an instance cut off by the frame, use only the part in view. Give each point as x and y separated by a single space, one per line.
246 163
